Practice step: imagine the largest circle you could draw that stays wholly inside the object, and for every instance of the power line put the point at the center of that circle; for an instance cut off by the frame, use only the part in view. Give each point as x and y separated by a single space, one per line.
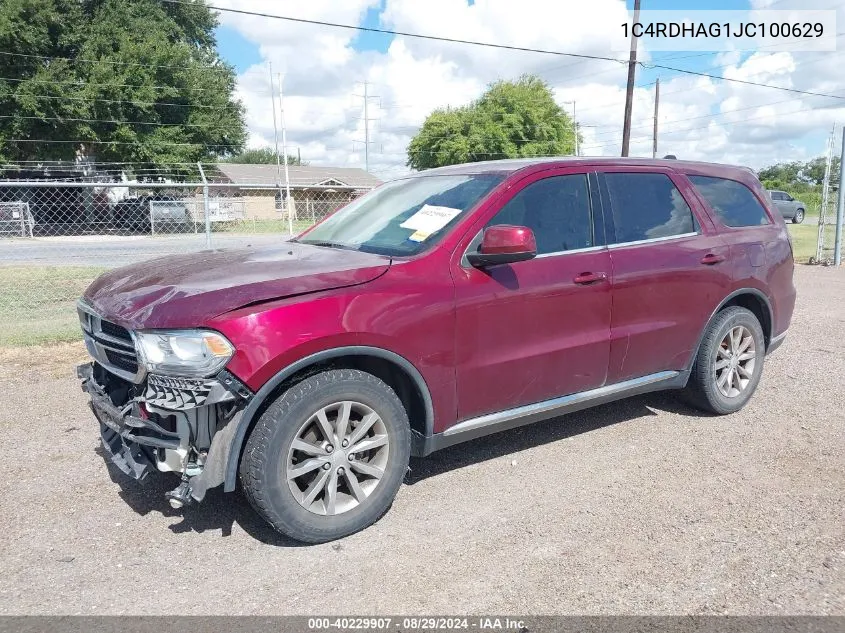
499 46
84 142
371 29
83 120
387 107
705 127
713 115
142 103
78 60
744 81
102 85
615 104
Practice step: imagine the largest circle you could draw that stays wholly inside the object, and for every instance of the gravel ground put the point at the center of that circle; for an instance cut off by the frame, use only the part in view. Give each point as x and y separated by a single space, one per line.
641 506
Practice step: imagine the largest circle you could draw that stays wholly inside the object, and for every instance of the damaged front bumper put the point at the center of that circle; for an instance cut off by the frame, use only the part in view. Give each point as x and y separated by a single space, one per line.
167 424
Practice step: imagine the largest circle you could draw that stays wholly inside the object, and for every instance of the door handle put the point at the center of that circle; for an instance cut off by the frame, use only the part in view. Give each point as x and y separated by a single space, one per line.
711 258
584 279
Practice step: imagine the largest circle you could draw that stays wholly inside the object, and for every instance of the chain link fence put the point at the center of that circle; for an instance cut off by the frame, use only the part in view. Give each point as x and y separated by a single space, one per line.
56 237
826 237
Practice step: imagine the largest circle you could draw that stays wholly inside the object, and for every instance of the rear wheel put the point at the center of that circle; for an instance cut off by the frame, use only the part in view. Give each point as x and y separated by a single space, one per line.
798 218
328 456
729 362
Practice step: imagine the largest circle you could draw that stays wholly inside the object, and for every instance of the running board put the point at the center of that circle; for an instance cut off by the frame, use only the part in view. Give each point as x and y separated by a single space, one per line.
512 418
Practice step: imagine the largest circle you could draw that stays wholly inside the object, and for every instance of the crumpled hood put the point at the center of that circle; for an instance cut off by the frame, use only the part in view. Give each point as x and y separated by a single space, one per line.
188 290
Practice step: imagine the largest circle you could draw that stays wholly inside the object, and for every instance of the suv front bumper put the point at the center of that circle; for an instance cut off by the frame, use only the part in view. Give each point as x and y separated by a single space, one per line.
198 443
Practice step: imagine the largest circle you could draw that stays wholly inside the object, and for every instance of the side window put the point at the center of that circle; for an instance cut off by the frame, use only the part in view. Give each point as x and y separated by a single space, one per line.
732 201
776 195
647 206
557 209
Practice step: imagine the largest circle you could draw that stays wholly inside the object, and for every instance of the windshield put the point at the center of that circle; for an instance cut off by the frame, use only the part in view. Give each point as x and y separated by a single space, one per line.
403 217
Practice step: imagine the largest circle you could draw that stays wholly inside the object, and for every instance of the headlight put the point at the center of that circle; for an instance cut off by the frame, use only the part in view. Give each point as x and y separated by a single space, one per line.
183 352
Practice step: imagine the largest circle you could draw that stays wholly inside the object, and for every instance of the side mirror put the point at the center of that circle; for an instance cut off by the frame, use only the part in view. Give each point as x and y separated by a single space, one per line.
504 244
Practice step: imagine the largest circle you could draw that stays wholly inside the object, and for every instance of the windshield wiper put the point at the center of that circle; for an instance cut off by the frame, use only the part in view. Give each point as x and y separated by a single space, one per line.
328 244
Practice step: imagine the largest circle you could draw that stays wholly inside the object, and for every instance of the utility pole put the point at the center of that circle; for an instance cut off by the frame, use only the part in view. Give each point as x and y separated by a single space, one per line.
288 201
831 141
275 130
629 93
366 97
366 130
656 110
840 209
574 125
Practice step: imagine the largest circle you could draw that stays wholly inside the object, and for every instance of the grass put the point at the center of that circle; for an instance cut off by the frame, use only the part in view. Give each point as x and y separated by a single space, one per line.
38 303
261 226
804 238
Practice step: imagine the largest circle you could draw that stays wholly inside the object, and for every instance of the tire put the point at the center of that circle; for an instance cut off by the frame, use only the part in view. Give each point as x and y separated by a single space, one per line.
271 458
798 218
703 389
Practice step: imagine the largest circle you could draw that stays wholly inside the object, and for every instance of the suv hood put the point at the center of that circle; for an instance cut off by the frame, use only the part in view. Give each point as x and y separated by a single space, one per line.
188 290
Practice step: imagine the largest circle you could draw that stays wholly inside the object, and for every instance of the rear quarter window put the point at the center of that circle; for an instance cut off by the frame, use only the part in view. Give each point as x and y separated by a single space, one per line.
733 202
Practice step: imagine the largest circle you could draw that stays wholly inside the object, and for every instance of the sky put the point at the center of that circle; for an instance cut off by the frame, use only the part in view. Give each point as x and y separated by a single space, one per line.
325 70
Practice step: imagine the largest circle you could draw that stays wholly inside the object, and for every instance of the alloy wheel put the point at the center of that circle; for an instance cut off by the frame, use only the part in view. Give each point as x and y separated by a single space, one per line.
337 458
735 361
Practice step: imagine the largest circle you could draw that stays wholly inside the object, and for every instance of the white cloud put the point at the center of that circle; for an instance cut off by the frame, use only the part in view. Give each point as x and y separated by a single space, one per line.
323 73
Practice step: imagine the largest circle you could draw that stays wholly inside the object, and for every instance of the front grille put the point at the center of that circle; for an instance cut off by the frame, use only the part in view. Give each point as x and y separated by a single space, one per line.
126 362
114 330
110 344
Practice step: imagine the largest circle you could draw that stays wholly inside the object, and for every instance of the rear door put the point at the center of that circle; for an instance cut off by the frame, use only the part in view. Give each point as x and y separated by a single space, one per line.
760 252
537 329
670 270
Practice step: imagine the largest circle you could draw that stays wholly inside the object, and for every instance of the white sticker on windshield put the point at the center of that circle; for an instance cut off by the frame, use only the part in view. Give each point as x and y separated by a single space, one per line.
430 219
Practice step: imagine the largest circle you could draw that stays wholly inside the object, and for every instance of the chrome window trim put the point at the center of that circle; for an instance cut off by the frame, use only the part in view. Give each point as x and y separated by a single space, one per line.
588 249
652 240
574 251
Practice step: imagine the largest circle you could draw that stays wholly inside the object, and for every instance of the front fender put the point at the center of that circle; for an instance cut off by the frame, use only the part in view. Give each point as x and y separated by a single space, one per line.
249 415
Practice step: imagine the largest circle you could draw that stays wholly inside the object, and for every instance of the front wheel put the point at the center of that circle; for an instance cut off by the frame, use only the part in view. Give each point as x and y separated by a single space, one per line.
328 456
798 218
729 362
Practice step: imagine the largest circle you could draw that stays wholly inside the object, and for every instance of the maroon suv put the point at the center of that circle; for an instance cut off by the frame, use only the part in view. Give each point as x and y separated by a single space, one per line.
441 307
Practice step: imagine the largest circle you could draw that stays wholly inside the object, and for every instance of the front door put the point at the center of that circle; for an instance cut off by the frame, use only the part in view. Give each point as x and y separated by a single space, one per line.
537 329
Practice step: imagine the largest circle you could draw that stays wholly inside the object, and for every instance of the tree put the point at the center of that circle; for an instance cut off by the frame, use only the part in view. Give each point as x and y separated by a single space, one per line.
782 172
796 176
133 81
262 156
813 170
510 120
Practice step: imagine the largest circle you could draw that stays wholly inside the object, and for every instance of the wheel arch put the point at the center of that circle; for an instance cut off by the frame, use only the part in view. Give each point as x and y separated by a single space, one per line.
393 369
752 299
